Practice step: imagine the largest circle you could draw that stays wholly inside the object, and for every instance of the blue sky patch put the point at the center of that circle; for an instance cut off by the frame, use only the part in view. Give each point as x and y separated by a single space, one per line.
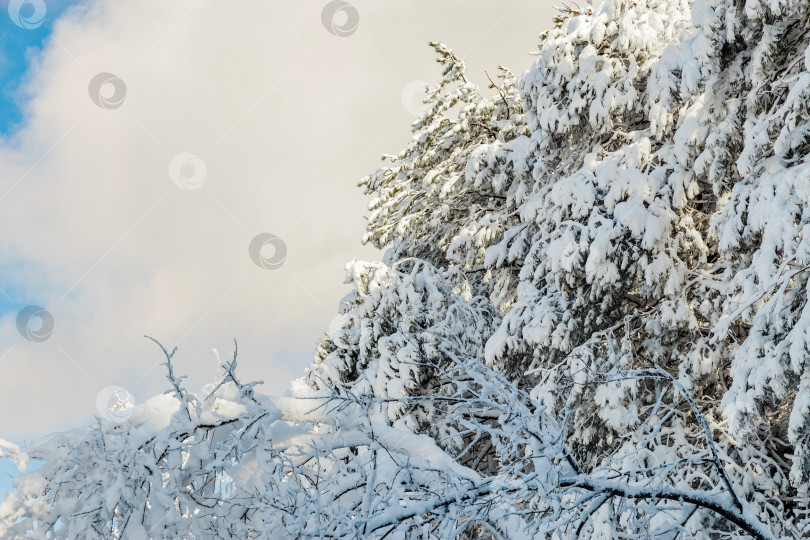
26 26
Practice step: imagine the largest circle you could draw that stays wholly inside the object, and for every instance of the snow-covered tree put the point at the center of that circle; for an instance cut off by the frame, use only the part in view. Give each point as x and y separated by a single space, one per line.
591 319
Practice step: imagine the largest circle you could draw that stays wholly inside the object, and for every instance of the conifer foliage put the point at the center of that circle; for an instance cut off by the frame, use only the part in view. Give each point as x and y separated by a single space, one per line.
591 319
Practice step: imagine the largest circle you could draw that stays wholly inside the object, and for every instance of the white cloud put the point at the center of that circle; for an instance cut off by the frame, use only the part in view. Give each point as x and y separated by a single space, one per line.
286 118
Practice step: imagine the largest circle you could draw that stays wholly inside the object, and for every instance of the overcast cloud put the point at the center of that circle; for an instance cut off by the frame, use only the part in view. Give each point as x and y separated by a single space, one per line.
283 117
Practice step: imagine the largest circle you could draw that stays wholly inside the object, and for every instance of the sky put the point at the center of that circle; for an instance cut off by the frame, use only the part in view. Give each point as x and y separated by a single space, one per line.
188 170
